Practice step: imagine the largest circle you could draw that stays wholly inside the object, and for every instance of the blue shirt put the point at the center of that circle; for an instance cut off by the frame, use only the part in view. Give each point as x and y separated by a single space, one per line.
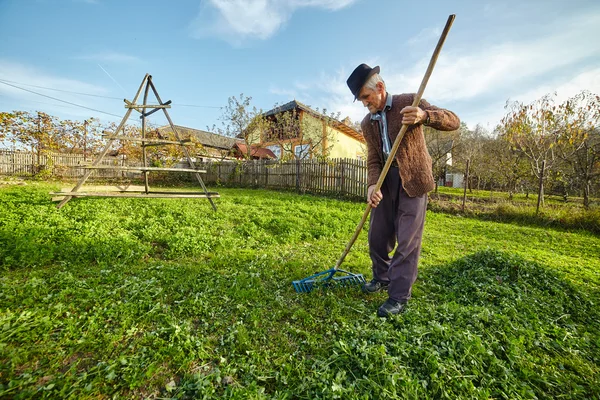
383 129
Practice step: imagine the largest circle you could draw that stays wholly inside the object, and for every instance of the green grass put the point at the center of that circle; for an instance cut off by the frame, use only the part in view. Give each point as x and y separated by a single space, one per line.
522 198
496 206
129 298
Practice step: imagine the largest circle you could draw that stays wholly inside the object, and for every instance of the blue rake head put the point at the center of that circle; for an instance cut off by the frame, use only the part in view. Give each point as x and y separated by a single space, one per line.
327 279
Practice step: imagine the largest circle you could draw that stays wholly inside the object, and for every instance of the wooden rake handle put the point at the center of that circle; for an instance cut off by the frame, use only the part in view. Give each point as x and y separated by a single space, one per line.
392 155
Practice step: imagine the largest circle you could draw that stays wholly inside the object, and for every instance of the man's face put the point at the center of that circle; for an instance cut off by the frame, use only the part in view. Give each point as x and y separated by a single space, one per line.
374 100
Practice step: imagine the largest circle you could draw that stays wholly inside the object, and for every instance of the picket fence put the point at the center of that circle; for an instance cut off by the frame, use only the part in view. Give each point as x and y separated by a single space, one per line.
59 165
339 176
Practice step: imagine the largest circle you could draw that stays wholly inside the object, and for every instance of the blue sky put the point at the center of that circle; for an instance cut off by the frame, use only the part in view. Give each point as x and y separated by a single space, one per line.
201 52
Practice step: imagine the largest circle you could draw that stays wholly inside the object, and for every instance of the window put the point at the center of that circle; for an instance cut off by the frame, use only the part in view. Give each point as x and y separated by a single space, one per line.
301 151
276 149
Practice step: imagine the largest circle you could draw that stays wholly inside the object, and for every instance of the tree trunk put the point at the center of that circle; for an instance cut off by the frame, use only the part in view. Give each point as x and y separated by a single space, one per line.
586 193
541 188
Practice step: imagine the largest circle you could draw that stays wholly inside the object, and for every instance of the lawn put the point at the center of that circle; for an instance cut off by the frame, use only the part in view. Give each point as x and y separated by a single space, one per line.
164 298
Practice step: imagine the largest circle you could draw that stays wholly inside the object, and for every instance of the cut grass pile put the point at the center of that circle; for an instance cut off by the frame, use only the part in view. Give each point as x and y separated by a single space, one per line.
134 298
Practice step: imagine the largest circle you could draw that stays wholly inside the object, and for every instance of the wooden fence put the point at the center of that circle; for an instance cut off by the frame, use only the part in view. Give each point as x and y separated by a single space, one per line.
59 165
343 177
340 176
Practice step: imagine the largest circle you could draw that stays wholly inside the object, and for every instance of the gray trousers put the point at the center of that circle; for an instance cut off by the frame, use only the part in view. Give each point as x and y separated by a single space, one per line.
398 222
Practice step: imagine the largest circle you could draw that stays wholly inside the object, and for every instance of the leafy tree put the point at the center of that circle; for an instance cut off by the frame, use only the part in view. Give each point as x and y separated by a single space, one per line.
10 124
579 143
83 137
240 119
534 129
549 134
34 131
312 131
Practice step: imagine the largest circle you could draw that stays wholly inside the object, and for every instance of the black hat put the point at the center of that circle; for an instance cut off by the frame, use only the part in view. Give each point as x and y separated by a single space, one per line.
359 77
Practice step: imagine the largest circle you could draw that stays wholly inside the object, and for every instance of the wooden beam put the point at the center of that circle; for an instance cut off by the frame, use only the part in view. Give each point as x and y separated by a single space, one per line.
142 169
129 104
153 195
155 110
150 140
108 188
144 106
187 143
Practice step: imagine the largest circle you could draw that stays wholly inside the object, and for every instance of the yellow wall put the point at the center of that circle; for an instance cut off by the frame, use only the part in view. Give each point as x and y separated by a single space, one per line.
345 147
337 143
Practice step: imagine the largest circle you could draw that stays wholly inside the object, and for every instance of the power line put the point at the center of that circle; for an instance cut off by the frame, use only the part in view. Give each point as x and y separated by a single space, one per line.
95 95
193 105
46 103
63 101
60 90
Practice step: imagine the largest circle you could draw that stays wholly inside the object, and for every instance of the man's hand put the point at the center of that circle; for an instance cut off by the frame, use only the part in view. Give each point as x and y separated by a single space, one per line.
413 115
373 197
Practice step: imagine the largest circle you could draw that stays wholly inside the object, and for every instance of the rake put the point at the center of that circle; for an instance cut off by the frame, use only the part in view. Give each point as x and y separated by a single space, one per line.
328 278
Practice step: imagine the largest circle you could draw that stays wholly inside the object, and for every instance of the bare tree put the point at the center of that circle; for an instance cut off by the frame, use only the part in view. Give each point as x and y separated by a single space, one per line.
534 130
441 146
579 143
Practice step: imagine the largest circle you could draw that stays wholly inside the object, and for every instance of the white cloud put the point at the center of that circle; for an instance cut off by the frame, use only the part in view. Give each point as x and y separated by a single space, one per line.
463 74
489 116
236 20
586 80
26 74
477 82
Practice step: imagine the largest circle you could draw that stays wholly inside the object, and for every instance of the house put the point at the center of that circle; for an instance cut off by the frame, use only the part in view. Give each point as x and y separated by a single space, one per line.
294 130
214 146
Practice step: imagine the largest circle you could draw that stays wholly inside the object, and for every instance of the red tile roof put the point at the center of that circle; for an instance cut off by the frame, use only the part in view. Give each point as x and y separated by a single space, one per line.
255 151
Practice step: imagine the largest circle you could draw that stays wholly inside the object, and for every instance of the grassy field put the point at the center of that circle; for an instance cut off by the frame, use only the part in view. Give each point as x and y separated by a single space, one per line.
129 298
497 206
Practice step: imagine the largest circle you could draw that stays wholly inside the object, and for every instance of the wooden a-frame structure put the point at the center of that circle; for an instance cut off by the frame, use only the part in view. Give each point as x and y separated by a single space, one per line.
145 86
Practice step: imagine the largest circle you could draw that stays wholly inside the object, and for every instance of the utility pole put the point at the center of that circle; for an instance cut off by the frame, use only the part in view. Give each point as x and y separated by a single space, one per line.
466 185
85 125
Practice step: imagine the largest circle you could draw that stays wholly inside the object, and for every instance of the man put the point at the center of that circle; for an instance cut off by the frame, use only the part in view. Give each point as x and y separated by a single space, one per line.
398 209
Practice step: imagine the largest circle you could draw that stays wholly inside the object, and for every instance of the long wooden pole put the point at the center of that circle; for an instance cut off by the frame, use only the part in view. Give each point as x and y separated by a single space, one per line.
144 155
392 155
